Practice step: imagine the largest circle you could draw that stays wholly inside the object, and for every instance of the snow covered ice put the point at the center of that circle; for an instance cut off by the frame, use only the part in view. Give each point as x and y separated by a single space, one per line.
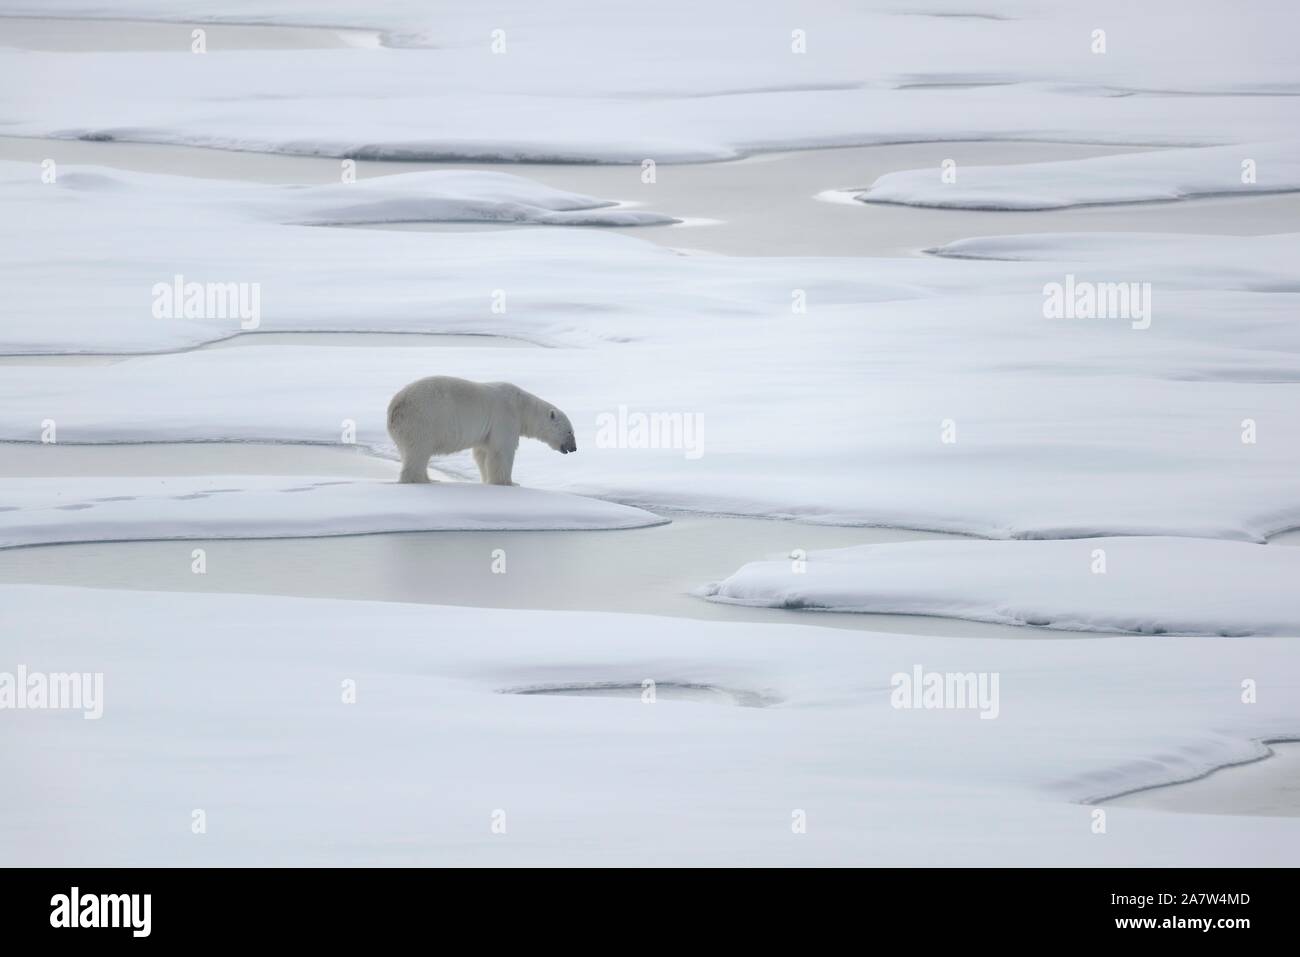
122 509
598 780
1055 421
568 86
1166 175
1145 585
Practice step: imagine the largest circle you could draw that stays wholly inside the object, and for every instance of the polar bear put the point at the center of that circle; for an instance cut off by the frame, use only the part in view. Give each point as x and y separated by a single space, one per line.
442 414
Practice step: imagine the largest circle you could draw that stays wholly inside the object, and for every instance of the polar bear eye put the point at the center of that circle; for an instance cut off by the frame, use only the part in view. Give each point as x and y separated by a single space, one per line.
552 415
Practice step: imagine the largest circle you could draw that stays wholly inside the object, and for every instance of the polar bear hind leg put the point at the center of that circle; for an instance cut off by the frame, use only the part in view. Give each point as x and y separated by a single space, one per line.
413 442
415 465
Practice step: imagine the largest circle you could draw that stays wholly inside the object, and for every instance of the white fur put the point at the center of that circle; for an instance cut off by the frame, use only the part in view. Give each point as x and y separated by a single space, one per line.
441 414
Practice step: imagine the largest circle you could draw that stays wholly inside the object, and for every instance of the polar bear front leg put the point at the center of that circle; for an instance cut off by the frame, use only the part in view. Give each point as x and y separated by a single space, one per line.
497 464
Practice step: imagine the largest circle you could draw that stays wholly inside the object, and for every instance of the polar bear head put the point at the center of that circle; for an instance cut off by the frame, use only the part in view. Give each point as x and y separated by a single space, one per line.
557 431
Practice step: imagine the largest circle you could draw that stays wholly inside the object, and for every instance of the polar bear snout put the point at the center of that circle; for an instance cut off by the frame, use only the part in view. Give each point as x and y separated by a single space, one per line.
561 432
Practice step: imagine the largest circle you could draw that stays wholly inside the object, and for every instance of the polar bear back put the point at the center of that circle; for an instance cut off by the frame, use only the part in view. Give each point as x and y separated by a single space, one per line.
444 414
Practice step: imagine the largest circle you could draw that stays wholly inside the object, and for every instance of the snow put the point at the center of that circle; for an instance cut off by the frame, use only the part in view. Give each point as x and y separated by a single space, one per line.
575 82
441 196
1129 178
574 288
1147 585
312 279
1256 263
1148 446
56 510
233 705
837 414
453 195
930 392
